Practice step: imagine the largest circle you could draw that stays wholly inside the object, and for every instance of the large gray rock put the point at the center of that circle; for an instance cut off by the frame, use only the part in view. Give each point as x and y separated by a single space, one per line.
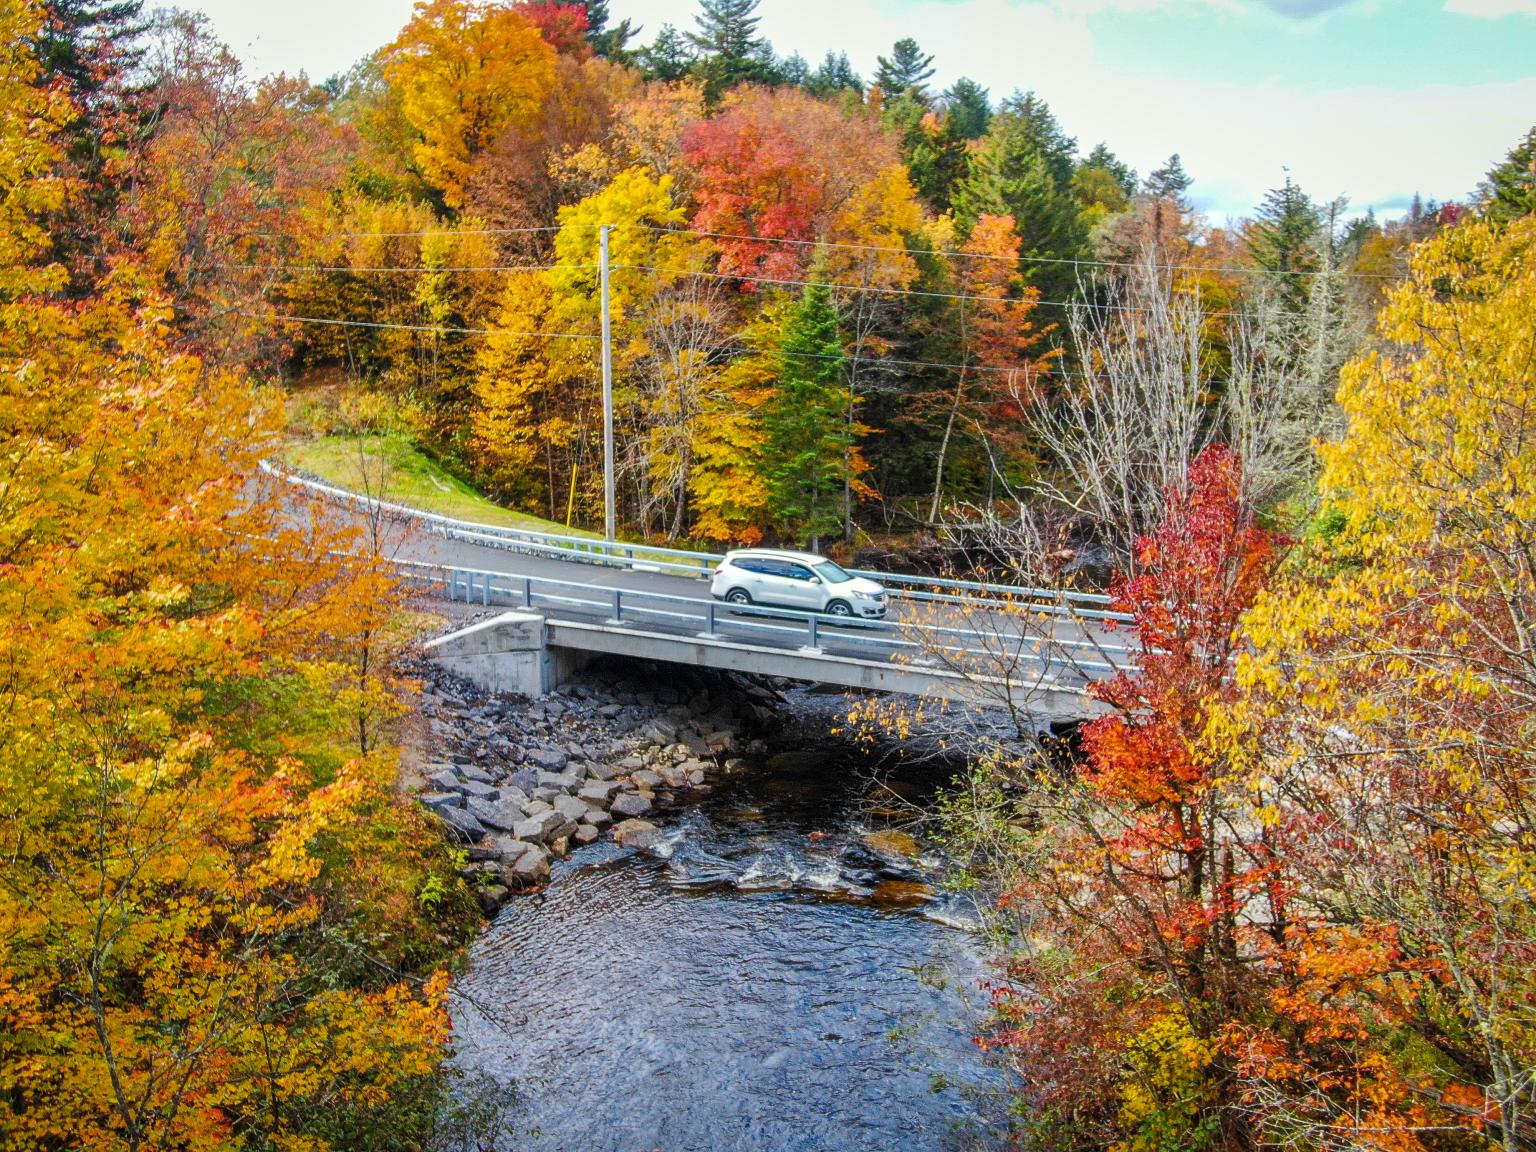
585 834
437 801
498 816
608 771
478 790
646 779
597 817
542 827
631 804
531 866
546 759
461 824
570 807
524 779
598 791
637 834
444 781
474 772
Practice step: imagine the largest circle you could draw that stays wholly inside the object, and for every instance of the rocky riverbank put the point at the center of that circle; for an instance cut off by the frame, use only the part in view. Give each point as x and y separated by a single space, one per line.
522 782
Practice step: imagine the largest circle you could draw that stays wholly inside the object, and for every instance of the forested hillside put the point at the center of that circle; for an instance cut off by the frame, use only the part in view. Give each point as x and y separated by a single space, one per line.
891 283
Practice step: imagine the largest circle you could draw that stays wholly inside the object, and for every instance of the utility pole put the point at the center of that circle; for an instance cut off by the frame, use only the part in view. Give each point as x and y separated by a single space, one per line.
608 489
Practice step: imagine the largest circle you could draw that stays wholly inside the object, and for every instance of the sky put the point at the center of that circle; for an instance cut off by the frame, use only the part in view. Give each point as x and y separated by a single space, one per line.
1375 100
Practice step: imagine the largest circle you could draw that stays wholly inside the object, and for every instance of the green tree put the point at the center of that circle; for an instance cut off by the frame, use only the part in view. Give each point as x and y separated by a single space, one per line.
810 447
834 74
967 110
668 57
1170 182
1103 184
1510 189
1024 169
1286 241
610 42
729 48
908 69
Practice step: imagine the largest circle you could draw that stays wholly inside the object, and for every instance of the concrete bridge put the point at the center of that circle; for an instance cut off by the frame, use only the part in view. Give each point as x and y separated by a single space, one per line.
570 599
525 653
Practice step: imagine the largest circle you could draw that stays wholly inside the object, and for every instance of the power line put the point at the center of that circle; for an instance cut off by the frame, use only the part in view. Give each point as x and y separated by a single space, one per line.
1233 269
420 269
1093 307
852 358
458 232
435 328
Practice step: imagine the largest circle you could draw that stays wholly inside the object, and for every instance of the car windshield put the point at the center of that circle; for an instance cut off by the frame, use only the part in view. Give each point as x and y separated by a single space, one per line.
831 573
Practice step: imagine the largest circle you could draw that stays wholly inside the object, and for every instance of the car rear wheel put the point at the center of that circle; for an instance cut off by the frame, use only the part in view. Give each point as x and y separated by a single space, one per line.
840 608
738 596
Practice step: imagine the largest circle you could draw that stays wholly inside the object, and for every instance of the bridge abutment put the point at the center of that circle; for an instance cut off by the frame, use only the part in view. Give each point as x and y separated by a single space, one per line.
508 653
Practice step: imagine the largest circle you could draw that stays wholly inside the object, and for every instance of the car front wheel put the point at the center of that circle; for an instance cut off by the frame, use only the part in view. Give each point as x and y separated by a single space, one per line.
738 596
840 608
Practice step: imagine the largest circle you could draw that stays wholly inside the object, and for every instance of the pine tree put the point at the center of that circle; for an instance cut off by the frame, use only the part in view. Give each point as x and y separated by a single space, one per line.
609 43
908 70
1287 240
1024 169
1509 191
834 74
668 57
1102 158
1170 182
810 444
730 51
968 111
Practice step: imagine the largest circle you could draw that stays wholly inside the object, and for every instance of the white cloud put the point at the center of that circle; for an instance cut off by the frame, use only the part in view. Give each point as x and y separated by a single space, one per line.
1491 9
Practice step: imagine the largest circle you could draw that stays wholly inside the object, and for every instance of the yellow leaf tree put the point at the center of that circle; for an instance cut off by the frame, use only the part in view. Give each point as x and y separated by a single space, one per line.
465 72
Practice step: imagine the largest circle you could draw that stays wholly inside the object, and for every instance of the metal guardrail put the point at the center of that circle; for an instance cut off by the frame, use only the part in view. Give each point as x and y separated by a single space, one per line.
647 557
711 619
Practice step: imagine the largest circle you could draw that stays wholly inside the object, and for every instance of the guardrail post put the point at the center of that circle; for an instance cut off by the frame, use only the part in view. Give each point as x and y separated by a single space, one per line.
527 591
485 589
815 637
618 607
709 632
453 585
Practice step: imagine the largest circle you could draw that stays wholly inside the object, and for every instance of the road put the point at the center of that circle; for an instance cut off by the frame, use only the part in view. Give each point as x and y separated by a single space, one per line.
994 643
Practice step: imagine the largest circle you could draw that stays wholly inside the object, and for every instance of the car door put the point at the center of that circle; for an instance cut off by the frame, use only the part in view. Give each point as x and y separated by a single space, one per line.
801 588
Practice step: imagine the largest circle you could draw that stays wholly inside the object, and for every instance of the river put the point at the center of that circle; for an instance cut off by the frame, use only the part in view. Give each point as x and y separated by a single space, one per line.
764 979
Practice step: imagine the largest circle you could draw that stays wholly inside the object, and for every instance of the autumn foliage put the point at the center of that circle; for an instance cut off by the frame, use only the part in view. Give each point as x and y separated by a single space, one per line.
196 801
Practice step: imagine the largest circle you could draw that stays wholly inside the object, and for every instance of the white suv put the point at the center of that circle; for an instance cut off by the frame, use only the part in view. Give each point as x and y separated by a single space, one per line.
796 580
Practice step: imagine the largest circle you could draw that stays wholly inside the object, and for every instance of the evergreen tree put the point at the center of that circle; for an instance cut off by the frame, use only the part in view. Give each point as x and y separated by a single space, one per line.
1509 191
968 111
91 52
91 47
794 70
1024 169
609 43
834 74
1287 239
729 49
809 441
1103 159
1170 182
908 70
668 58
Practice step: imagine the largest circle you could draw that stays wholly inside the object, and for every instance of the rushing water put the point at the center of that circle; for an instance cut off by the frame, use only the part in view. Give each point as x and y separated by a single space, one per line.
765 979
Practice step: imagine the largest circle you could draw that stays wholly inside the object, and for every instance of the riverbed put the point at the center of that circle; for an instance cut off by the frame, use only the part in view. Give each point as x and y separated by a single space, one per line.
768 976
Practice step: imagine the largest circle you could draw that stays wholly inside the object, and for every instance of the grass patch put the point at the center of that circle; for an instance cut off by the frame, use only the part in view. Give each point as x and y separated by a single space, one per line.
395 471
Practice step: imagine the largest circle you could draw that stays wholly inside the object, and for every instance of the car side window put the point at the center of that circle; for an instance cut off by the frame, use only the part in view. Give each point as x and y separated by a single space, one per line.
775 568
758 566
798 572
